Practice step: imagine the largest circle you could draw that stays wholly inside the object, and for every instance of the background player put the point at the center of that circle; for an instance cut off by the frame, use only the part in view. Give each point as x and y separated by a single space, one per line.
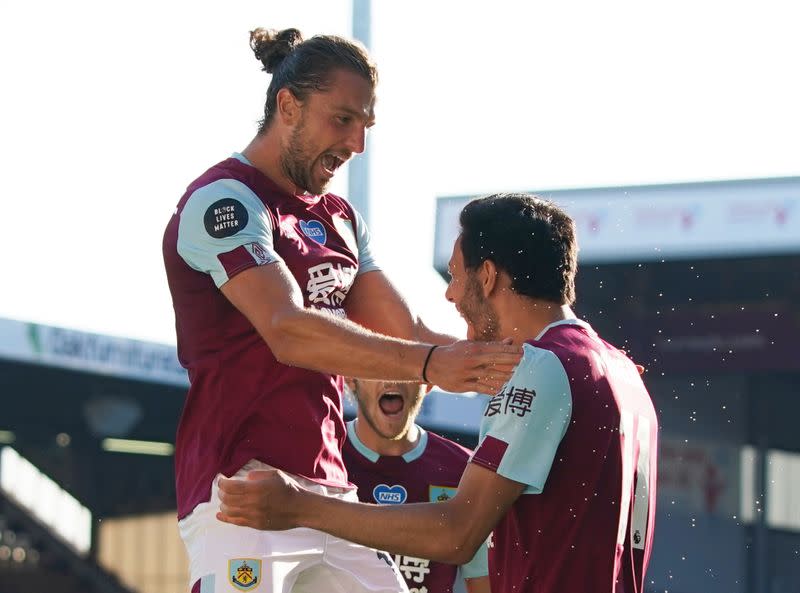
564 475
270 277
392 460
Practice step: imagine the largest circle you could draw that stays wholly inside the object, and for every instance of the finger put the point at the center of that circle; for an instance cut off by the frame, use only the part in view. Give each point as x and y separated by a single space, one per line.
232 485
490 359
508 341
232 520
260 474
640 368
486 385
234 510
236 499
501 348
497 368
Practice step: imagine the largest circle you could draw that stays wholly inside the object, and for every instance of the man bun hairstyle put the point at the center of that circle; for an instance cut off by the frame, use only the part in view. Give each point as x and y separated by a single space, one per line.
529 238
271 46
305 66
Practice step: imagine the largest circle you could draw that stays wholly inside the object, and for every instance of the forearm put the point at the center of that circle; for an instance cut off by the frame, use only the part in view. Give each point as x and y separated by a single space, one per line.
321 342
297 336
427 530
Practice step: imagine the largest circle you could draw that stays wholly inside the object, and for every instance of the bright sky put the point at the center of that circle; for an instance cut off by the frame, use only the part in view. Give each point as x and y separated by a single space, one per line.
108 113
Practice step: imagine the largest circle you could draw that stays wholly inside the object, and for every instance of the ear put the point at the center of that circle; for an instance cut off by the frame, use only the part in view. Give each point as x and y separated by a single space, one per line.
487 275
289 107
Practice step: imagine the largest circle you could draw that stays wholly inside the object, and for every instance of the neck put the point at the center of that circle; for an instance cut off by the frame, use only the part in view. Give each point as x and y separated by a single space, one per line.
264 152
523 318
383 446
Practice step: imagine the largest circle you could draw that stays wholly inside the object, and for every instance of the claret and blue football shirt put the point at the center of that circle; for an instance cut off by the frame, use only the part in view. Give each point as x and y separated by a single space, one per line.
242 403
576 426
428 473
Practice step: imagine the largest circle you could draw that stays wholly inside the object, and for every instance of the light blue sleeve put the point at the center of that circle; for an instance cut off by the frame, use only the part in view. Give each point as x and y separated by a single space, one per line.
479 565
523 425
366 260
225 228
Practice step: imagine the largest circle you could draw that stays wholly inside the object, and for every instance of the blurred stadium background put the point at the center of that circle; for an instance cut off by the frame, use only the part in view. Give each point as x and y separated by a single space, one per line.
699 282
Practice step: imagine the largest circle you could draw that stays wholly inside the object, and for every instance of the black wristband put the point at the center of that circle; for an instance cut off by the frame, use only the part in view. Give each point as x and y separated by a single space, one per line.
425 366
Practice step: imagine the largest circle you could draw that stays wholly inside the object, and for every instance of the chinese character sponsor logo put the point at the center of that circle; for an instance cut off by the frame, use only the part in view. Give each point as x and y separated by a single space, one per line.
245 573
440 493
314 230
512 400
328 284
414 570
384 494
225 218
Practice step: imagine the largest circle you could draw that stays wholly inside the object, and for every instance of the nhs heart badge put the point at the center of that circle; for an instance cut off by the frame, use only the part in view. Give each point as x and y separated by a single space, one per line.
384 494
314 230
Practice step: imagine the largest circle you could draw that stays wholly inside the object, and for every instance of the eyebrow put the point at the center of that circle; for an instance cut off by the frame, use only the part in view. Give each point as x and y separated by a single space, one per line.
357 113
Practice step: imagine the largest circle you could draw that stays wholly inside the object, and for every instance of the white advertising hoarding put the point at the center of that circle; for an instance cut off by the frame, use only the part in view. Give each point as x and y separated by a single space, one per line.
654 222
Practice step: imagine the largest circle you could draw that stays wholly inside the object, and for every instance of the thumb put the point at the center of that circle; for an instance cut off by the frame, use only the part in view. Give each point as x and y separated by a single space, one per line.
260 474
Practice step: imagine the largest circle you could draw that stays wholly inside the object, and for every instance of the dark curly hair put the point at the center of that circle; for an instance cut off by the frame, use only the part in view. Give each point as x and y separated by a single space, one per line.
529 238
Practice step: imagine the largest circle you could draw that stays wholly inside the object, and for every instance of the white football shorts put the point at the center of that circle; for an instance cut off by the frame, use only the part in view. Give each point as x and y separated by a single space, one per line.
225 558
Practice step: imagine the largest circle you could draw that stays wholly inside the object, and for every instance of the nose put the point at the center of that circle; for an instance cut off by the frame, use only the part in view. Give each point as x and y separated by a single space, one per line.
357 141
448 292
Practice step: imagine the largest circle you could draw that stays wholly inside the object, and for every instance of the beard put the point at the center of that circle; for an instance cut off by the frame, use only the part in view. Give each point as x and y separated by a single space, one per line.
479 314
297 162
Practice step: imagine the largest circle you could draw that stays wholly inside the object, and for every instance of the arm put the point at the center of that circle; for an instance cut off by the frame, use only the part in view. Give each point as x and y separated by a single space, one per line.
375 303
271 300
521 431
478 585
448 531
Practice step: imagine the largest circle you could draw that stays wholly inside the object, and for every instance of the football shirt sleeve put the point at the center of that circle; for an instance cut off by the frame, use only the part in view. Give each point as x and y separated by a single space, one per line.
366 259
479 565
224 229
523 425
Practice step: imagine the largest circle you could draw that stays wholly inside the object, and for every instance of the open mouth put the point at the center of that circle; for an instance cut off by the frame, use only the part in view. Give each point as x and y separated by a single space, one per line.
331 162
391 403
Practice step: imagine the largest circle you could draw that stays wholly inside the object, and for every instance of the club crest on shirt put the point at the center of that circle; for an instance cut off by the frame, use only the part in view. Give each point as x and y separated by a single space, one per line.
314 230
384 494
225 218
440 493
244 573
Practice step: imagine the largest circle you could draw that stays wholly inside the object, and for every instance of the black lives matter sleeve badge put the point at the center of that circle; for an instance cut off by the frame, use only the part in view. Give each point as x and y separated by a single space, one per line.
225 218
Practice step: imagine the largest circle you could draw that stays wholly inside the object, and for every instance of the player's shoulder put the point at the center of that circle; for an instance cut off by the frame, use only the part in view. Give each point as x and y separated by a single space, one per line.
570 344
540 359
213 189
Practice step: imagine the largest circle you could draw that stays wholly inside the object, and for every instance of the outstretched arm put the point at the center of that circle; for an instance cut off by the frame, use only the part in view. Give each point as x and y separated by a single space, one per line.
448 531
375 303
270 298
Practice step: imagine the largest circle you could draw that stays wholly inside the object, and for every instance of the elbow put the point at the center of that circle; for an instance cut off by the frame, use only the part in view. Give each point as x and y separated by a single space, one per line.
464 552
462 544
